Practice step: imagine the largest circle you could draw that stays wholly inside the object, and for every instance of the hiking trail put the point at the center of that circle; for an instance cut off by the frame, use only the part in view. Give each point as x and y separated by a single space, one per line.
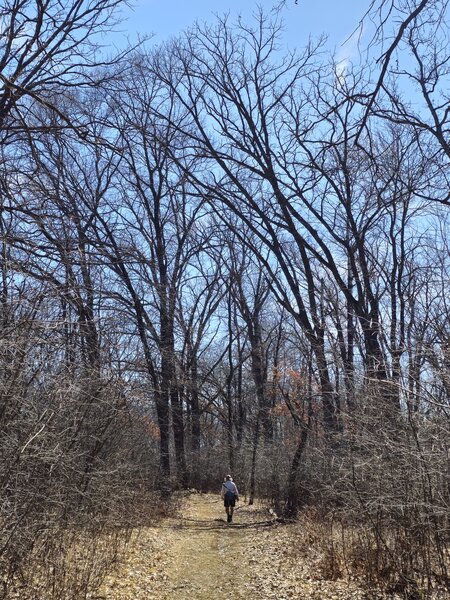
198 556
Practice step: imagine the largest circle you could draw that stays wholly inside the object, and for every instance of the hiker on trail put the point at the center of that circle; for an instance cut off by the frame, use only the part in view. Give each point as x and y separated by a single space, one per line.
229 496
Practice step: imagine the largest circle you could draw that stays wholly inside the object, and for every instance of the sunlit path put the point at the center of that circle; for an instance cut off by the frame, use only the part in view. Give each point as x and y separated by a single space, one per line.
196 555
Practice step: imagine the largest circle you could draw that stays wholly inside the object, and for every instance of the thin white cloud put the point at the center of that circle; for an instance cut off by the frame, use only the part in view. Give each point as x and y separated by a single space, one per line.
348 51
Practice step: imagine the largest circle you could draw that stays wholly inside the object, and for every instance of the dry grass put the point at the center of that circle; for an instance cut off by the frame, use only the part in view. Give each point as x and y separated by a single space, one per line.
196 555
188 551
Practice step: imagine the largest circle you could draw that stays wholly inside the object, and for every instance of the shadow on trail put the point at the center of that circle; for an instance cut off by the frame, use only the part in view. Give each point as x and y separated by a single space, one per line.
220 524
215 524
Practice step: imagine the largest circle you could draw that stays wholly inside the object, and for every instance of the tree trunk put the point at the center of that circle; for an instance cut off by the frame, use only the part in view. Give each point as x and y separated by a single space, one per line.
292 498
254 454
178 434
162 413
195 407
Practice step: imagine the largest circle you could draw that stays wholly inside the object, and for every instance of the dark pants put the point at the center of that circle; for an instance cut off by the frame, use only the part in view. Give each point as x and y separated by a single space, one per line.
229 500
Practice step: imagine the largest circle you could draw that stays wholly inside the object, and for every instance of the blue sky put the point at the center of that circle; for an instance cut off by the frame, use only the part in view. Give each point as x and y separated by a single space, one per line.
336 18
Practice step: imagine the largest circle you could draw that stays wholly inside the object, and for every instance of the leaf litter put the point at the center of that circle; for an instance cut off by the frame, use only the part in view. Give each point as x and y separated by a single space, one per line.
198 555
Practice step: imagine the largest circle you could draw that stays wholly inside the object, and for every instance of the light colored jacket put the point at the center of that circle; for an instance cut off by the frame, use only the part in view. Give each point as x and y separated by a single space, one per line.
229 486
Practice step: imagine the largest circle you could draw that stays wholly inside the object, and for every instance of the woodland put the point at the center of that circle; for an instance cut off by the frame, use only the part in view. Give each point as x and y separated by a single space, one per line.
220 255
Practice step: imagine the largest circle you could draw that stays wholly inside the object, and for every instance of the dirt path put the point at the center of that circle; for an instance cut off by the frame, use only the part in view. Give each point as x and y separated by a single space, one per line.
211 557
198 556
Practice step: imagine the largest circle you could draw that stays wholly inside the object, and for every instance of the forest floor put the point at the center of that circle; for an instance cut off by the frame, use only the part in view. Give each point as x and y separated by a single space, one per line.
196 555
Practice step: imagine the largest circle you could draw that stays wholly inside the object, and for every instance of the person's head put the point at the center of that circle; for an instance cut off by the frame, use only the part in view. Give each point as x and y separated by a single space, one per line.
228 478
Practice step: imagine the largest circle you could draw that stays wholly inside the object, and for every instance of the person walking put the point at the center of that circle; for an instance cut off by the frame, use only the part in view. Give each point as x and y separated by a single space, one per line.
230 495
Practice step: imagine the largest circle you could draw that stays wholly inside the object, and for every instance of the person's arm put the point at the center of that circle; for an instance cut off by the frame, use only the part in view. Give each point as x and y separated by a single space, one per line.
236 493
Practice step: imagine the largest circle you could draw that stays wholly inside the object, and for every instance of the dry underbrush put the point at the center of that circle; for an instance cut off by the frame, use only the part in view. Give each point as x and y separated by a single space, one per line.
308 559
386 563
71 563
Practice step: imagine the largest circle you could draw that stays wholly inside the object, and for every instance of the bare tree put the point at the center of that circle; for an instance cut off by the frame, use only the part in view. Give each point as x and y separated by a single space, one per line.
47 51
150 242
236 85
